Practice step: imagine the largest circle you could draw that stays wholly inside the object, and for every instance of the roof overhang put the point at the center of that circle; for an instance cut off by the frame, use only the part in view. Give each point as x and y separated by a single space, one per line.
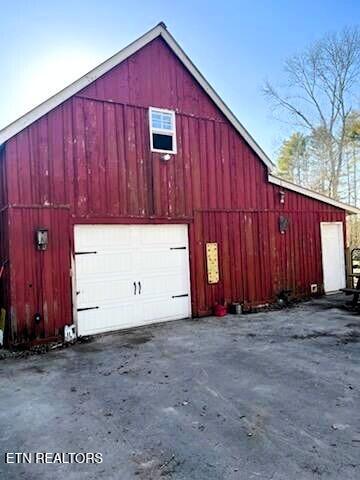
159 30
310 193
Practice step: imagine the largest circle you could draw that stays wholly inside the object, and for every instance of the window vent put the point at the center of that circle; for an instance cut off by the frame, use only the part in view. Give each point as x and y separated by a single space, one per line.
162 130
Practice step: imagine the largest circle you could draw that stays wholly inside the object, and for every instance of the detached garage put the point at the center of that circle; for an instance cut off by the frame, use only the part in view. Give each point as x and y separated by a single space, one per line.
136 196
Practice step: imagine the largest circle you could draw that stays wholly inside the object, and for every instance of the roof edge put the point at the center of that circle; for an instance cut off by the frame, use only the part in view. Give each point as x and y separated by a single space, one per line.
211 92
55 100
310 193
159 30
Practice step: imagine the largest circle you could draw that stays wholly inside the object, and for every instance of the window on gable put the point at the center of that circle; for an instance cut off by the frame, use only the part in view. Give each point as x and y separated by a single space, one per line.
162 130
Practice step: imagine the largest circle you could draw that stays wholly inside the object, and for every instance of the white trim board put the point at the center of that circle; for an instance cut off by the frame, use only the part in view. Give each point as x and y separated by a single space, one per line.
159 30
310 193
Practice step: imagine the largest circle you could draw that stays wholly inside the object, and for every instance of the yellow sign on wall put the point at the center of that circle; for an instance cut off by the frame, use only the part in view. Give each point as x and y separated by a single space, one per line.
212 260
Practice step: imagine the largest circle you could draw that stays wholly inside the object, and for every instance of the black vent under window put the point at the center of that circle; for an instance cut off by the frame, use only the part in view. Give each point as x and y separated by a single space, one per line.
162 142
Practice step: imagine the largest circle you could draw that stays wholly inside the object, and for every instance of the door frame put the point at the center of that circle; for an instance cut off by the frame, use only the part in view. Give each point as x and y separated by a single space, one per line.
73 287
343 273
126 222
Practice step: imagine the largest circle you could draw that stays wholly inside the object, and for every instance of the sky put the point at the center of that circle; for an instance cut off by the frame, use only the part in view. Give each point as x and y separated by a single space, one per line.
237 45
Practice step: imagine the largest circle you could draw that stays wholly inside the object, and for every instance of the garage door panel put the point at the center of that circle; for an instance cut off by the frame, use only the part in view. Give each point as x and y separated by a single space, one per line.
106 318
105 263
177 309
164 284
170 235
159 259
153 256
100 293
105 237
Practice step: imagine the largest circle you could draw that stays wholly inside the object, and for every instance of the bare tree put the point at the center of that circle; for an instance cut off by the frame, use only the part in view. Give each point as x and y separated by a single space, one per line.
319 97
352 155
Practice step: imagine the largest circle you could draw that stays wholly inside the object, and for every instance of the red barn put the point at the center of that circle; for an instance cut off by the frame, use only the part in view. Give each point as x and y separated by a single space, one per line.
136 196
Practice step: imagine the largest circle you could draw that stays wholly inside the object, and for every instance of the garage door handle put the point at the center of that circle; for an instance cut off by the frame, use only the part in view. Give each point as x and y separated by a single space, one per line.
139 283
85 253
134 288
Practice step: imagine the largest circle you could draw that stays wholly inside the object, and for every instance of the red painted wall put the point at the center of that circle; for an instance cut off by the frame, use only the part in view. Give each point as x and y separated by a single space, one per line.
89 161
4 236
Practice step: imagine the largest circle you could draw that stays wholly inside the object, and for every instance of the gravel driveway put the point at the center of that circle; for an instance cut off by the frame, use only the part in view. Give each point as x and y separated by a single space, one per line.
273 395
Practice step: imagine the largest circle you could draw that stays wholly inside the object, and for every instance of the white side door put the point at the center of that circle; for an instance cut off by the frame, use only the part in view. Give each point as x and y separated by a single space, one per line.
333 257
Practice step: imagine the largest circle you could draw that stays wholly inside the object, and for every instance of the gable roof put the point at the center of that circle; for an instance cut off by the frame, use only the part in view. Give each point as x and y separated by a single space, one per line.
159 30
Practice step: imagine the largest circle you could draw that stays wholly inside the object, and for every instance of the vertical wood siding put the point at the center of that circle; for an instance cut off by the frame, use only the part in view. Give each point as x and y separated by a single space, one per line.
4 256
4 240
256 261
40 280
89 161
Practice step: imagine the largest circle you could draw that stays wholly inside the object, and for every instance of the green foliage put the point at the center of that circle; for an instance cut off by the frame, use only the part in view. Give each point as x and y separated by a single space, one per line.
293 157
352 130
305 160
319 99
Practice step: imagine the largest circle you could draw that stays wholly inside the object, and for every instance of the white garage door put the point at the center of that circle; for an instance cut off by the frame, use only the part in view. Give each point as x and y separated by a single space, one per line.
130 275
